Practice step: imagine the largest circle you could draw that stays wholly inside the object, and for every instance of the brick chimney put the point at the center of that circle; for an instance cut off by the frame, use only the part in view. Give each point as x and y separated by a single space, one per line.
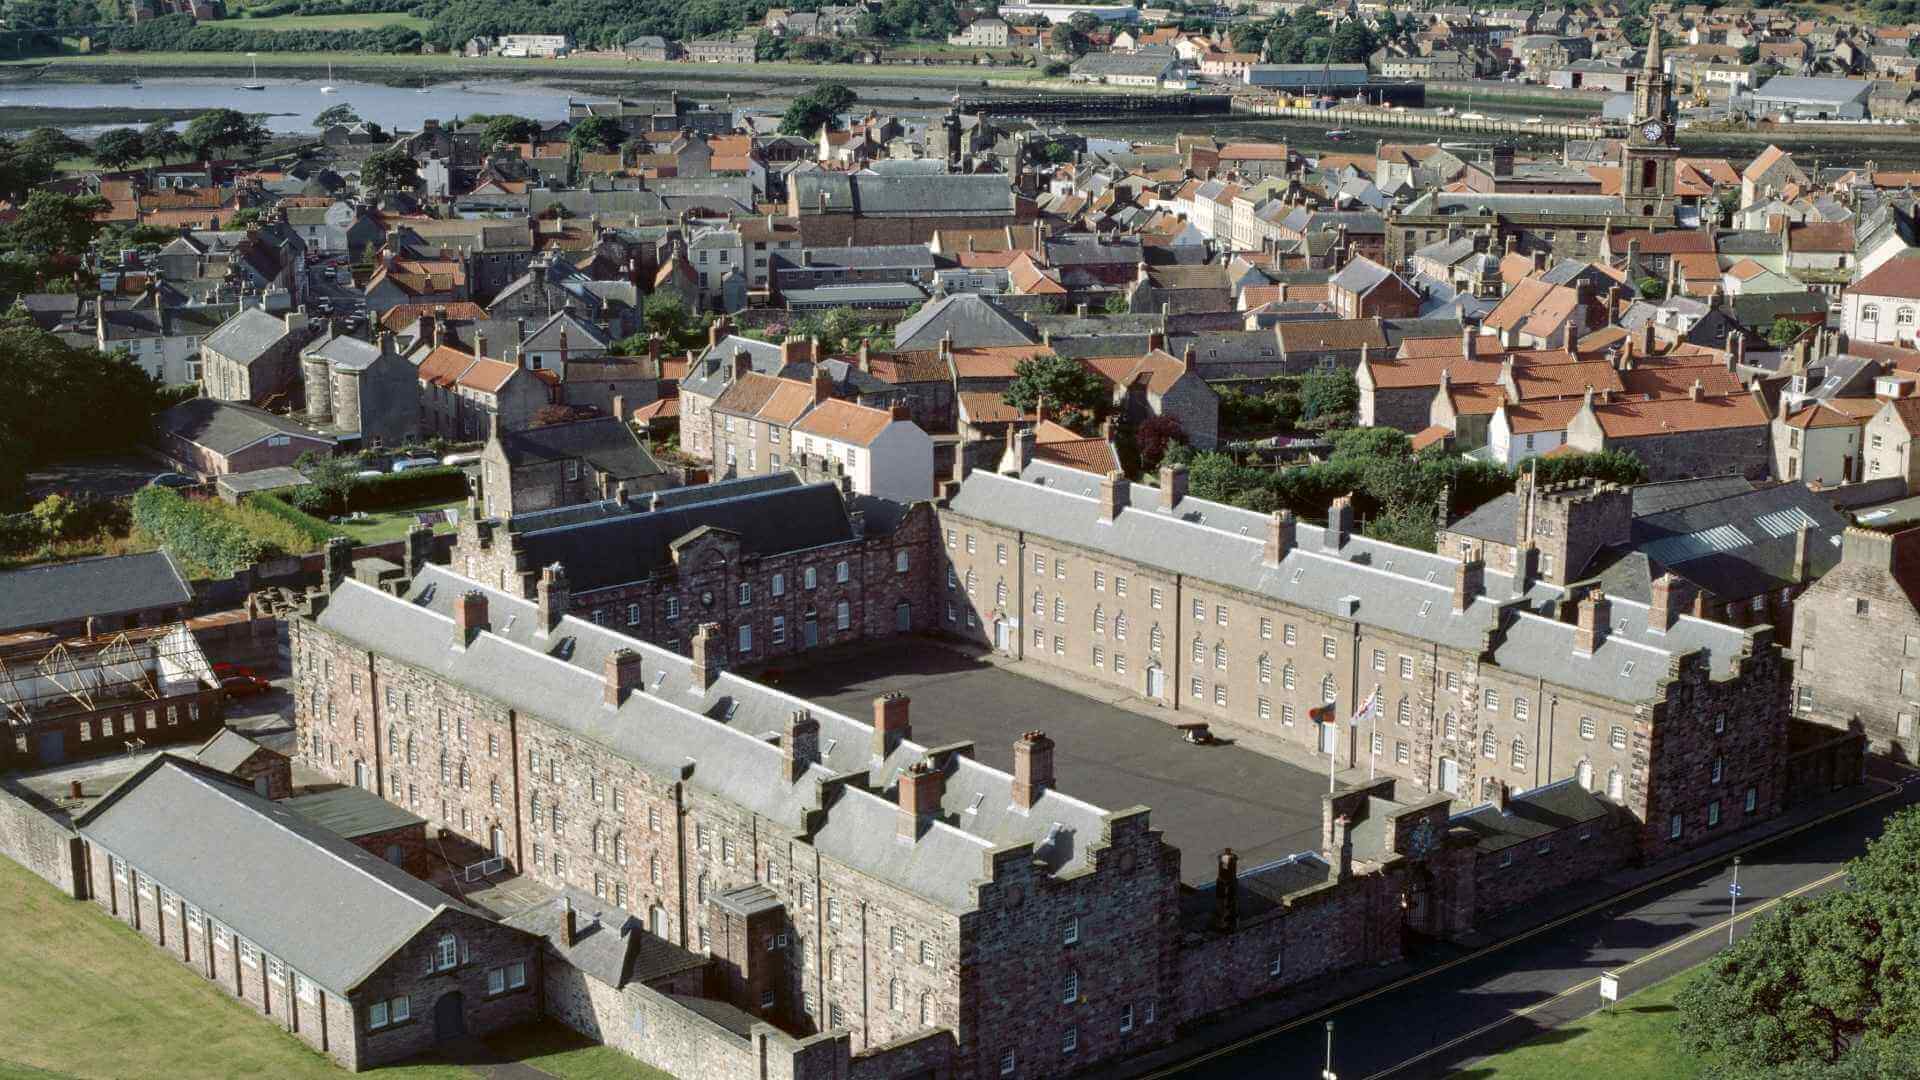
891 723
552 595
569 923
921 788
709 658
1281 537
1469 581
1226 892
1156 341
1342 848
1032 769
1595 616
1173 485
742 364
1660 611
1114 493
623 676
1339 523
469 617
795 350
721 329
822 383
801 745
1189 356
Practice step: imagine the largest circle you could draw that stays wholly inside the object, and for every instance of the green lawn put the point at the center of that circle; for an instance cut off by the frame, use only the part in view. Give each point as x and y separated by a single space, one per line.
85 997
1635 1042
385 525
369 21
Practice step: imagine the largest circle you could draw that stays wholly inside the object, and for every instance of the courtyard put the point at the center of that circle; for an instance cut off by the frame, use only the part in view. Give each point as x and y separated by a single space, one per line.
1203 798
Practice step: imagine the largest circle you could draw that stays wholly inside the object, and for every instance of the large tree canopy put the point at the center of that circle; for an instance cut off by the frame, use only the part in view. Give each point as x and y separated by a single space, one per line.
817 108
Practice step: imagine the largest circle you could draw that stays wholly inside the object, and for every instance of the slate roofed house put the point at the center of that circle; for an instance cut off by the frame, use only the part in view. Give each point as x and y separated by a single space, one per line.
965 320
217 438
254 357
1365 289
115 592
552 465
375 964
269 771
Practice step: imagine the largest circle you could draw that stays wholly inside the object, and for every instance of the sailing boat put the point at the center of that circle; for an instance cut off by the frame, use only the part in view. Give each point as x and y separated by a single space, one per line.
255 84
328 88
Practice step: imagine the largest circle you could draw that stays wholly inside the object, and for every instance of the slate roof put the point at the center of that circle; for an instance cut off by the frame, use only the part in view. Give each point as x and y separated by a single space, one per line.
1742 545
610 944
898 195
247 335
971 320
632 547
344 353
106 585
1399 589
604 442
351 812
355 910
1532 814
226 751
715 737
226 427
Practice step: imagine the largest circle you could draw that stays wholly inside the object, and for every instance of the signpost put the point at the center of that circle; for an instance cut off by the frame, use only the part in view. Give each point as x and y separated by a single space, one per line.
1733 899
1609 989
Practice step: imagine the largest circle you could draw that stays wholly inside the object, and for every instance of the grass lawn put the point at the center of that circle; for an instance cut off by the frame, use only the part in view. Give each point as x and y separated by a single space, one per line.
85 997
368 21
1637 1041
385 525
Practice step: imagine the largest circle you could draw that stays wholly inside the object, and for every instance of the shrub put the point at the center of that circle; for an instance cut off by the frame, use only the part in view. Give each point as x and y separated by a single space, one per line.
316 531
411 488
198 536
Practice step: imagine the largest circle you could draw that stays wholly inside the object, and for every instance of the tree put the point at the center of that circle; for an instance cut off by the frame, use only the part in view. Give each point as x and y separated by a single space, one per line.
161 142
1785 331
666 314
819 107
49 221
119 148
224 129
1068 386
389 170
1652 288
1328 393
1750 54
505 130
64 402
21 172
1117 304
50 144
1154 436
336 114
1063 38
1352 43
597 134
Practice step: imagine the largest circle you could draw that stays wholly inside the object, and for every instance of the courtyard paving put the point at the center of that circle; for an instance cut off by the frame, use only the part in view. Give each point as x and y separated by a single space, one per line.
1203 798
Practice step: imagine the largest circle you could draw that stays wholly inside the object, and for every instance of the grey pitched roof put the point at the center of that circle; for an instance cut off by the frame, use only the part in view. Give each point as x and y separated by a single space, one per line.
632 547
716 737
227 426
352 812
226 751
609 944
605 442
1536 813
903 195
1742 545
973 321
107 585
708 375
1399 589
864 257
355 910
247 335
344 352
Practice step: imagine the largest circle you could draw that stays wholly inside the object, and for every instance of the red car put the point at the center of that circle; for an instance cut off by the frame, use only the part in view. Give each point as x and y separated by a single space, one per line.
244 685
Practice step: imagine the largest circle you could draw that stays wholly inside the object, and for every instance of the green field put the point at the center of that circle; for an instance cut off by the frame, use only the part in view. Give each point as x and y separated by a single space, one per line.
384 525
85 997
1637 1041
369 21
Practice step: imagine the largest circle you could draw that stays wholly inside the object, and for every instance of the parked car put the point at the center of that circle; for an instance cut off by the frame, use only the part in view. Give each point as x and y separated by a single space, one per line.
172 480
409 463
467 457
223 670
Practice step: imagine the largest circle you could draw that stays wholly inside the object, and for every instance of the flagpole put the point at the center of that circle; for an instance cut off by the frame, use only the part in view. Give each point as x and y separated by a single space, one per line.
1373 736
1332 758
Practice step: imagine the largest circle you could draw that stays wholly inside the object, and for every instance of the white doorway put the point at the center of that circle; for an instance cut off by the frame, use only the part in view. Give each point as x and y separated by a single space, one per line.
1450 776
1329 737
1002 636
1156 683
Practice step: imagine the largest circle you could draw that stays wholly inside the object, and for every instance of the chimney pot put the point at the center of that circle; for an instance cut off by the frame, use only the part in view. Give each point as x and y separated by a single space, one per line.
623 675
801 745
921 788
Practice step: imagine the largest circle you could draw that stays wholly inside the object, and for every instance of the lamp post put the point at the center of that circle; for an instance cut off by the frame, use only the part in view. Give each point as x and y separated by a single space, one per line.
1328 1073
1733 899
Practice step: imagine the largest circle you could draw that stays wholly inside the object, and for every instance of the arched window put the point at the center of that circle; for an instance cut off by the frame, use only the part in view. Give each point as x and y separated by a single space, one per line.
700 892
926 1007
595 836
1489 746
843 614
1120 626
1266 668
1650 174
1039 603
1220 656
1000 594
620 848
1154 637
1903 317
1199 652
1615 789
1583 774
1287 676
1870 313
410 751
1326 690
1059 609
1099 619
893 995
1519 753
972 581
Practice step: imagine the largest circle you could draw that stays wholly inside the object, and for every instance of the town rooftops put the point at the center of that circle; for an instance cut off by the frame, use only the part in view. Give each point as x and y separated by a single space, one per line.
715 737
1400 590
604 442
107 585
970 320
247 335
355 911
842 421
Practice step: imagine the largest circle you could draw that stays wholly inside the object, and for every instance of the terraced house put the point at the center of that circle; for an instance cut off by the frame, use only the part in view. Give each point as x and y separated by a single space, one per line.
1485 677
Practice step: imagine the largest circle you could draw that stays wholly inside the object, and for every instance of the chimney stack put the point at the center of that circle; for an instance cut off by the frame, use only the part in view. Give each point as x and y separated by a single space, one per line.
1469 581
1342 848
708 660
891 723
801 744
1173 486
569 923
339 561
417 552
1226 893
1032 769
1114 493
1281 537
552 595
469 616
1595 617
921 788
1661 610
1526 569
1339 523
1802 566
623 676
1502 797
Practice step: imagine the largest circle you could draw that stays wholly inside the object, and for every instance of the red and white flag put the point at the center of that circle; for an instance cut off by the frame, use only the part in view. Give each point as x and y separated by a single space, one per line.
1367 708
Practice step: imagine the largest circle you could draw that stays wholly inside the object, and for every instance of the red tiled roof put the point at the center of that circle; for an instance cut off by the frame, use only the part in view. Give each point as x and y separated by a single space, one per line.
845 421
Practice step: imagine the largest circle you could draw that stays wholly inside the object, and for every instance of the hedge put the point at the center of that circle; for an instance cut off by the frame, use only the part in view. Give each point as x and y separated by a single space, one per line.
195 534
440 483
312 527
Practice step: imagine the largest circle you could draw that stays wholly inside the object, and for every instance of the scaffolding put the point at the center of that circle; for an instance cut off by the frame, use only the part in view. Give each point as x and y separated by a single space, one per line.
45 678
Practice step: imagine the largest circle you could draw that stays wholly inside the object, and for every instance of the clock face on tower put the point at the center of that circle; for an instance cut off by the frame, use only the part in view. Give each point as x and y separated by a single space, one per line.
1651 130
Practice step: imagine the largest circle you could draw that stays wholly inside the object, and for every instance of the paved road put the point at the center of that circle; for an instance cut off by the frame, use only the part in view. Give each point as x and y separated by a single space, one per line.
1475 1004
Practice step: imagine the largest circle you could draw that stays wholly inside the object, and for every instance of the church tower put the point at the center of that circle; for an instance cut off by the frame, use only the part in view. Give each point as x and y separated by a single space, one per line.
1648 157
